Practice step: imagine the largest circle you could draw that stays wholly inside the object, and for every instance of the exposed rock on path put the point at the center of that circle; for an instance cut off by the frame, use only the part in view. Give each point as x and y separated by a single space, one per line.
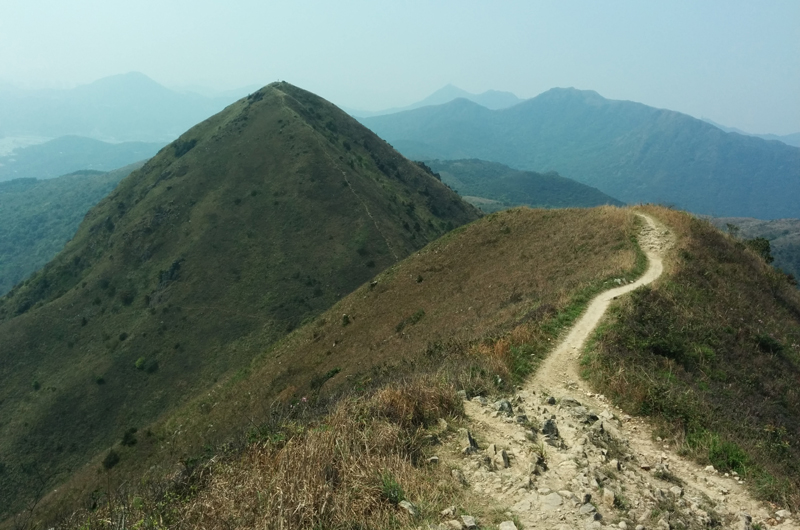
578 462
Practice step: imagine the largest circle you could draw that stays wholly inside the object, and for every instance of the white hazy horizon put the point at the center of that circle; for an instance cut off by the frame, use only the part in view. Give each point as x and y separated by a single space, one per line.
731 61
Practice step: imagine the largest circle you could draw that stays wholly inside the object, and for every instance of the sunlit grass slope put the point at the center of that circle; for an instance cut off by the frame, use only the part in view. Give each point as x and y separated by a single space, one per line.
474 310
249 224
712 352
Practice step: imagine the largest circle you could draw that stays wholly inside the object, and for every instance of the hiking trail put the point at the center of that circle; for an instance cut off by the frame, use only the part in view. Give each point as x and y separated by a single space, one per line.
558 456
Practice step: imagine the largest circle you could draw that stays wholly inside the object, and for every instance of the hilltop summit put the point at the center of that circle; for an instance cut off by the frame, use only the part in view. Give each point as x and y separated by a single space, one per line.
249 224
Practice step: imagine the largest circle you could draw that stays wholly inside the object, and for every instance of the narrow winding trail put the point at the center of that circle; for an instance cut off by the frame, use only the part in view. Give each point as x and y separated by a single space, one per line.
558 456
561 364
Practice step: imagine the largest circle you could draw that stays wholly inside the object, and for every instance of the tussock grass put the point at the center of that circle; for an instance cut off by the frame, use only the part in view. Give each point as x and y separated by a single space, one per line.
712 352
347 469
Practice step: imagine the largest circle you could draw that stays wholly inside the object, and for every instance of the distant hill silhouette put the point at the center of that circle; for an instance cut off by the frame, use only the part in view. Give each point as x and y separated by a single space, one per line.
789 139
477 180
251 223
491 99
126 107
628 150
72 153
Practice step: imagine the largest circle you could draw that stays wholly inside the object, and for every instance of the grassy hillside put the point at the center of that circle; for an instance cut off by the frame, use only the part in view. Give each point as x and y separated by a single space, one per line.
477 180
72 153
37 217
474 310
783 236
712 352
630 151
248 225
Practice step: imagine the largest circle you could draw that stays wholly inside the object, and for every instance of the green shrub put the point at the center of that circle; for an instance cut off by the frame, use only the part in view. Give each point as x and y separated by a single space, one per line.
129 438
727 456
111 459
391 490
410 321
140 362
183 146
319 380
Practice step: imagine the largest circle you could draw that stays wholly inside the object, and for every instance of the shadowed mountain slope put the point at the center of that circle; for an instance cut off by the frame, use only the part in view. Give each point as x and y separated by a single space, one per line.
628 150
37 217
249 224
492 186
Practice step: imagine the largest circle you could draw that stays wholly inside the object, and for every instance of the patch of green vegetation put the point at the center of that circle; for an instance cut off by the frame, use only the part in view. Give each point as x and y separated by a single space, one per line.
111 459
320 380
129 438
391 489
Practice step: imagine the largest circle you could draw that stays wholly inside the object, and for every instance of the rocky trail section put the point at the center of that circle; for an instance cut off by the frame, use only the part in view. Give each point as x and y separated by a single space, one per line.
557 456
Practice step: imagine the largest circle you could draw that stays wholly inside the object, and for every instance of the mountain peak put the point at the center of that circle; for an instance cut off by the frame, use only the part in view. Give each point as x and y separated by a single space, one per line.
250 223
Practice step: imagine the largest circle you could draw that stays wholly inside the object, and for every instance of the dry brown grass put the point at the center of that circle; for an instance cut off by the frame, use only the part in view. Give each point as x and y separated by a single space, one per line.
331 474
492 294
507 273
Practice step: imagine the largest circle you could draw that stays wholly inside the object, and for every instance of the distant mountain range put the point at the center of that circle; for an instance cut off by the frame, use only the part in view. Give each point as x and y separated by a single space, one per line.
72 153
491 99
126 107
491 186
788 139
627 150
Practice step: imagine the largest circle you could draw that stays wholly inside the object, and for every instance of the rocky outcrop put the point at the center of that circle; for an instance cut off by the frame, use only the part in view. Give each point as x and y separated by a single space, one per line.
571 466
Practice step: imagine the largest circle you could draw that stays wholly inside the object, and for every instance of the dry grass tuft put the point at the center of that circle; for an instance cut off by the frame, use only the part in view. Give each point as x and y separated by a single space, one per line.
347 471
415 404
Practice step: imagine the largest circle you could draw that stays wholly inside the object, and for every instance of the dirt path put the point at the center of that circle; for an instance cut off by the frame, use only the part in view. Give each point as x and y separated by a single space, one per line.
561 364
556 455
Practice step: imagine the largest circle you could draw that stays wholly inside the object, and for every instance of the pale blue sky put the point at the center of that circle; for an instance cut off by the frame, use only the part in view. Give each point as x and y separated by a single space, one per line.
735 62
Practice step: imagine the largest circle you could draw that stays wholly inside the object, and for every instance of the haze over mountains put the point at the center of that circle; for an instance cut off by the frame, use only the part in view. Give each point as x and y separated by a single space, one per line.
215 279
788 139
68 154
491 99
248 225
122 108
630 151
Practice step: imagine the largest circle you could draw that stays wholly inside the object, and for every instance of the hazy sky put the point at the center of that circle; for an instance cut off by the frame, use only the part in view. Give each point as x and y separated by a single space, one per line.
735 62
